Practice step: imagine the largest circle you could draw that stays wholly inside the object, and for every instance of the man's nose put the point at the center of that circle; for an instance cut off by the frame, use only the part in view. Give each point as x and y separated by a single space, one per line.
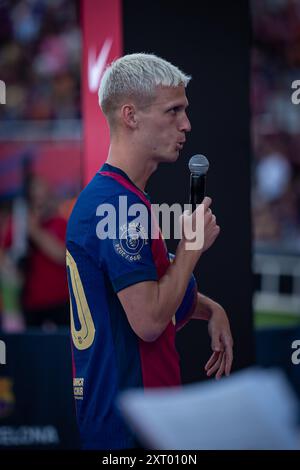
186 125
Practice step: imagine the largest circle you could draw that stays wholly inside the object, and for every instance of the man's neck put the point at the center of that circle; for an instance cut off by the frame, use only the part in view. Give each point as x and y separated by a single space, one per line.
136 168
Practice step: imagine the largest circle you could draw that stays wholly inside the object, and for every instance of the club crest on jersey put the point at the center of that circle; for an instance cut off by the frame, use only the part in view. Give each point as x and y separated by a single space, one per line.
132 239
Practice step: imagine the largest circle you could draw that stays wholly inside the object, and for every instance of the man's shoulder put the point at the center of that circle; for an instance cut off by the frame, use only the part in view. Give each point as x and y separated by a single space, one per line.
94 201
102 189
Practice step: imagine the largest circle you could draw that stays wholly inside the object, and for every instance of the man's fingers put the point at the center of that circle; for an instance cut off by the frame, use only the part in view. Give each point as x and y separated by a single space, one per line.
229 358
216 366
221 368
207 202
228 363
221 362
211 360
228 342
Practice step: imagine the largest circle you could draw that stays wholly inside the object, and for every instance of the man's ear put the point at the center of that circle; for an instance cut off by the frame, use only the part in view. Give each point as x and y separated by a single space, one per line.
129 115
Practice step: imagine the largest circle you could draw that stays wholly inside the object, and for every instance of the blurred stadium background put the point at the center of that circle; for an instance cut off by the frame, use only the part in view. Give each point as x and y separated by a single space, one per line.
276 161
41 133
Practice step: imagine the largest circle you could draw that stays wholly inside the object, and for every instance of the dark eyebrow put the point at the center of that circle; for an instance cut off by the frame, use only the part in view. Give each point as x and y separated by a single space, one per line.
178 105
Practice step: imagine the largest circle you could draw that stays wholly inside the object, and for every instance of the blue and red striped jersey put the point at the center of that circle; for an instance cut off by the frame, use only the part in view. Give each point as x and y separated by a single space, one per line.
108 356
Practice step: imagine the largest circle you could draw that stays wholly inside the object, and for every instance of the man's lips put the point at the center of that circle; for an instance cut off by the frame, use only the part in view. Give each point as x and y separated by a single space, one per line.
180 144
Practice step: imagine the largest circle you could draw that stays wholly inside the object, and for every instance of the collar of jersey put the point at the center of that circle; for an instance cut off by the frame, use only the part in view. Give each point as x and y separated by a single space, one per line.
115 169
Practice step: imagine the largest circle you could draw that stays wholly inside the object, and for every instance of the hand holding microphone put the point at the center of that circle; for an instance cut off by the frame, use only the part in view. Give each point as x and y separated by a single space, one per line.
198 166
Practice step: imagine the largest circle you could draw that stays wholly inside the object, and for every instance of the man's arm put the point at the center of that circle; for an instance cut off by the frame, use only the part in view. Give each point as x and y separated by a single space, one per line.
219 331
204 308
150 305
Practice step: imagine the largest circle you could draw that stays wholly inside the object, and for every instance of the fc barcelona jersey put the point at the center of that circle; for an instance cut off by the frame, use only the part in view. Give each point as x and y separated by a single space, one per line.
108 356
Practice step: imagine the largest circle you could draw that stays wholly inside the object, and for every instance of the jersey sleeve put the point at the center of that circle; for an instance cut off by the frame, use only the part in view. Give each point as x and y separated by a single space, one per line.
120 241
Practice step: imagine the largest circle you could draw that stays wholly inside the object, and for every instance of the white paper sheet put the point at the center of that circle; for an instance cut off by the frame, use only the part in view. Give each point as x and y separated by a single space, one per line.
252 409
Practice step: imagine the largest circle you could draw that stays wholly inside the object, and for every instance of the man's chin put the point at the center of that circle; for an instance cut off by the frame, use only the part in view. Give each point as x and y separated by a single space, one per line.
171 158
175 156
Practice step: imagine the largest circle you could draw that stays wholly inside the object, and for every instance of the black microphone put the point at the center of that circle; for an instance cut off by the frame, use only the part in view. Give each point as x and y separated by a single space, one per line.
198 166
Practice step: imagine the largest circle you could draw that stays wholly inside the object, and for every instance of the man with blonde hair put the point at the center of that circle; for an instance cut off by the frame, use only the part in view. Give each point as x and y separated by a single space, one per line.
128 297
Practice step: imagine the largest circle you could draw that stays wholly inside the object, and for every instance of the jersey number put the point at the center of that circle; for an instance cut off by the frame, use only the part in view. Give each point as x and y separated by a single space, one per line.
84 337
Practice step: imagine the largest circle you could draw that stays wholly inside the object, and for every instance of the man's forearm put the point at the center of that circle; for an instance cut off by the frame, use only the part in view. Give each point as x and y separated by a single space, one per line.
172 286
158 300
204 308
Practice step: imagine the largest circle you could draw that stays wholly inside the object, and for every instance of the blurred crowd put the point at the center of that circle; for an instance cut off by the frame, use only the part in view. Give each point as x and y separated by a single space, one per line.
40 57
33 278
276 122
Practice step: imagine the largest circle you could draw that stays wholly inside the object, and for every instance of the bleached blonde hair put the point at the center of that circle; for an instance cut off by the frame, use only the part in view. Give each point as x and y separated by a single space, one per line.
136 76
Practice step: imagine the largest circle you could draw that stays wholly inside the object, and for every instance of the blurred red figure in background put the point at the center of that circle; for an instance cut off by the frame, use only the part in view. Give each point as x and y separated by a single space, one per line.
45 291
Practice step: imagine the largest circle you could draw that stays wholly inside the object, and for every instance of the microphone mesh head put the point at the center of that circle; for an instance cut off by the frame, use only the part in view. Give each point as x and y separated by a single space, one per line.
198 165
